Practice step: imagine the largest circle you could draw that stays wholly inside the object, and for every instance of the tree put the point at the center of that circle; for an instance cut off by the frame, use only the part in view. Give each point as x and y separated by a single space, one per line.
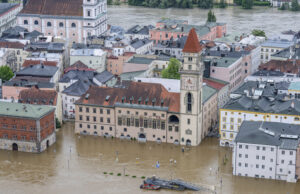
6 73
109 2
211 17
238 2
295 6
256 32
223 4
171 72
58 124
247 4
205 4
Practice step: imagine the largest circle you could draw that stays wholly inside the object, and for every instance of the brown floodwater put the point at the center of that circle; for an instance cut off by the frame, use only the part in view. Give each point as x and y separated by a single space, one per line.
77 165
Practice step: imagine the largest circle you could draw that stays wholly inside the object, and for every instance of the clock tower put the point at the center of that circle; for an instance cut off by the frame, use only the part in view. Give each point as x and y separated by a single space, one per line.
191 73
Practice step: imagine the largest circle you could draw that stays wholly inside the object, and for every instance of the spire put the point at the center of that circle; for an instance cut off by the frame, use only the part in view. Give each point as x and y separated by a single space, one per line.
192 44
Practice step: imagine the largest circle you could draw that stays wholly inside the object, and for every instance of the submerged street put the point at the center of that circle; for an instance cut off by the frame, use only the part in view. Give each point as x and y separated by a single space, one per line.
77 165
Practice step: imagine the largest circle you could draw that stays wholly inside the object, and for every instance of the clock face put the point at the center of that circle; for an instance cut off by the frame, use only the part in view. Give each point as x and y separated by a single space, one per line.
189 83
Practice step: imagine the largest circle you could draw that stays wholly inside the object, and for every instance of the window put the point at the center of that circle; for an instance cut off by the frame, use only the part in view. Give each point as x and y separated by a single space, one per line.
110 128
257 147
263 157
190 67
272 149
264 148
94 110
145 123
189 102
257 166
88 126
89 13
73 25
190 58
224 119
25 22
36 22
240 146
80 117
282 161
128 122
163 125
95 119
80 125
87 118
291 153
108 120
108 111
61 24
270 168
125 129
188 121
170 128
282 152
257 157
263 166
101 111
271 160
87 110
246 146
240 164
101 119
95 126
137 122
240 155
102 127
246 164
246 155
49 24
176 128
80 109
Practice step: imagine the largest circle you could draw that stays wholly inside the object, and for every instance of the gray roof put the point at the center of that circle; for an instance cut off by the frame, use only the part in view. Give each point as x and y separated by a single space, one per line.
49 46
137 29
104 76
4 7
23 83
286 136
179 43
222 62
285 53
268 73
77 75
20 32
78 88
38 71
140 60
84 46
281 43
231 54
138 43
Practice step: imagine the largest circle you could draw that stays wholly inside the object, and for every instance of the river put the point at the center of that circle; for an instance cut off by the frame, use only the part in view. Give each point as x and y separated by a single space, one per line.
76 164
271 20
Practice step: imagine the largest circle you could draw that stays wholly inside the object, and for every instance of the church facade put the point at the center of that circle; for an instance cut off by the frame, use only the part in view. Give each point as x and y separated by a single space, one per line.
148 111
72 20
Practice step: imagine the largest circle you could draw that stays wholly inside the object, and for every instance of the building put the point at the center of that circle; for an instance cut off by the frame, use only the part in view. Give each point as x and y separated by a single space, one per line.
8 15
148 111
16 56
290 53
257 101
140 46
166 29
25 127
273 75
73 20
290 67
171 47
50 98
138 32
267 150
294 90
93 58
115 64
270 47
222 88
19 34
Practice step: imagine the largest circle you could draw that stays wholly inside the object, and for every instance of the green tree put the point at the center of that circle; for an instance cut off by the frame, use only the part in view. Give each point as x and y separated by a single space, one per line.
58 124
211 17
247 4
284 6
256 32
223 4
6 73
205 4
171 72
295 6
109 2
238 2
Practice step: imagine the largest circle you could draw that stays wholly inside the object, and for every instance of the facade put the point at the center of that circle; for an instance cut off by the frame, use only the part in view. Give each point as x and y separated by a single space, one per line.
8 15
257 101
138 32
291 67
140 46
171 47
93 58
115 64
267 150
148 111
166 29
271 47
27 128
73 20
272 75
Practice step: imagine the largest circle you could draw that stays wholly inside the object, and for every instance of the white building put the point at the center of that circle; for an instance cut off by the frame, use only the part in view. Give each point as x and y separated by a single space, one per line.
271 47
140 46
93 58
8 13
267 150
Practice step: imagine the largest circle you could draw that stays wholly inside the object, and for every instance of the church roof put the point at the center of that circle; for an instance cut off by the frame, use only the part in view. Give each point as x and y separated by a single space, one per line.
192 44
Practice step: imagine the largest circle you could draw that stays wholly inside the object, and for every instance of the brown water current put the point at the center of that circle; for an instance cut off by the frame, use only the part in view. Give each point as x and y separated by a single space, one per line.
76 164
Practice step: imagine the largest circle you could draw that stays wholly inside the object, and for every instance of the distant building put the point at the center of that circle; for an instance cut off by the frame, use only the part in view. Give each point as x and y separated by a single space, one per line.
290 53
19 34
138 32
93 58
273 76
140 46
171 47
25 127
271 47
115 64
268 150
73 20
166 29
8 15
291 67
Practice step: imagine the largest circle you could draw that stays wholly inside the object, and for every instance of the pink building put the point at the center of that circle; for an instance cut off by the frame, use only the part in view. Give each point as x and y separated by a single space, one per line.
115 64
166 29
74 20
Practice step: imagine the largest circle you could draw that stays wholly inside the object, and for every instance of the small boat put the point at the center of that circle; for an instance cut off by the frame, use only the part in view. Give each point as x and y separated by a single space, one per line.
149 186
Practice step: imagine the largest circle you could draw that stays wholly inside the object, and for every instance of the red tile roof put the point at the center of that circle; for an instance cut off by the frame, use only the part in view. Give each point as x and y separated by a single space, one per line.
192 44
16 45
78 65
27 63
137 90
282 66
54 7
218 85
37 96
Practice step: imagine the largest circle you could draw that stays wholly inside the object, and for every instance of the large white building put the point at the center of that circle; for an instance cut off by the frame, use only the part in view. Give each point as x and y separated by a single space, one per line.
8 13
257 102
73 20
267 150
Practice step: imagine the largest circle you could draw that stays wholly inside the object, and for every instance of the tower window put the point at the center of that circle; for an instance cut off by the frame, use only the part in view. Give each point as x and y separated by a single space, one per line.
189 102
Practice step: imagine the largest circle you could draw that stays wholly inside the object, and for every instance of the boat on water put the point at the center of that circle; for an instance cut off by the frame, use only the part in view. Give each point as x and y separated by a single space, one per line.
176 184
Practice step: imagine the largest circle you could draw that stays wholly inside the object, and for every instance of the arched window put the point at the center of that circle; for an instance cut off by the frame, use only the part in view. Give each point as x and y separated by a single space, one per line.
73 25
189 102
49 24
25 22
61 24
36 22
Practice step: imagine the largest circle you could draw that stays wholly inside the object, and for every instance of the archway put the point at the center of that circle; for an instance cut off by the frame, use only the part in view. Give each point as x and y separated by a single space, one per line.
142 135
226 144
173 119
188 142
47 143
15 147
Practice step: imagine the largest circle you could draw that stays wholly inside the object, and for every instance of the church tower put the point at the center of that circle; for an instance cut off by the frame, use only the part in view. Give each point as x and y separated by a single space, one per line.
191 73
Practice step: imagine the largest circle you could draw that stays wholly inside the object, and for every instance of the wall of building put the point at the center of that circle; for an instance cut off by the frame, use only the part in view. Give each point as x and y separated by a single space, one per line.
94 62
